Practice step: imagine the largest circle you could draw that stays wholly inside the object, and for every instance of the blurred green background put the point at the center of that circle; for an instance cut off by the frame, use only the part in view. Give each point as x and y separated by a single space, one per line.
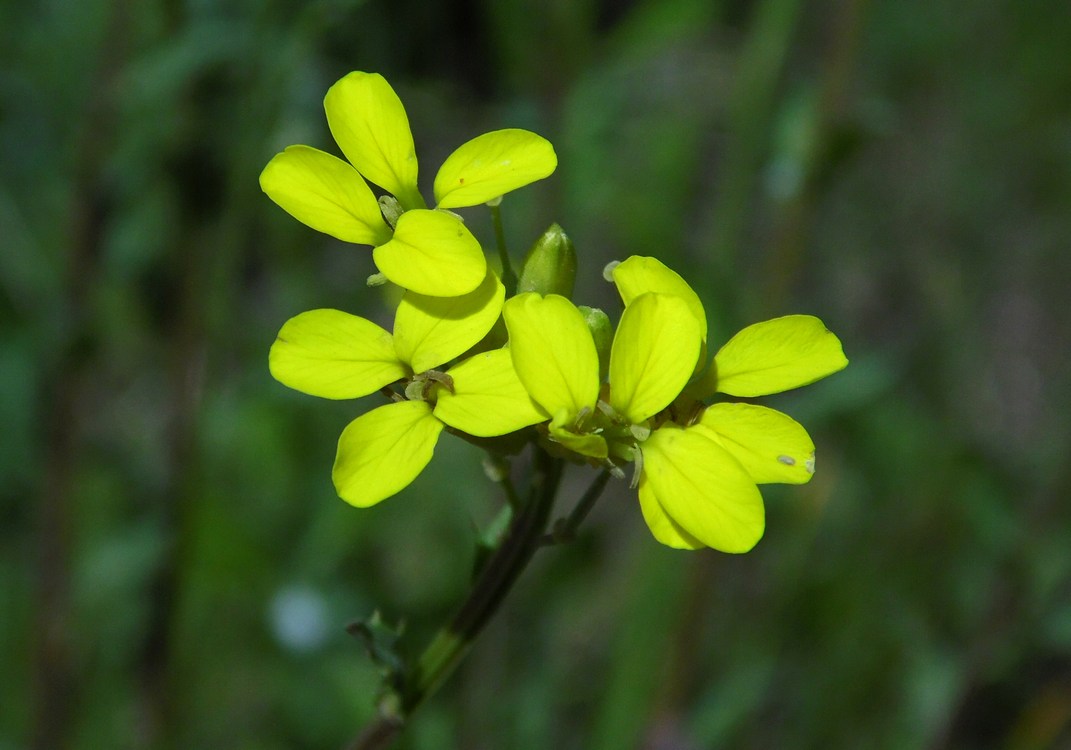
175 569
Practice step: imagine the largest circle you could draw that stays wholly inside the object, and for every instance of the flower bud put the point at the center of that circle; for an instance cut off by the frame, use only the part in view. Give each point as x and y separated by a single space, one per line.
550 266
602 332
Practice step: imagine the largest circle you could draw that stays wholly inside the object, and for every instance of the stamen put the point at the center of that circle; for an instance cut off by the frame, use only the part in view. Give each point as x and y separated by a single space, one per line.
637 469
443 378
391 209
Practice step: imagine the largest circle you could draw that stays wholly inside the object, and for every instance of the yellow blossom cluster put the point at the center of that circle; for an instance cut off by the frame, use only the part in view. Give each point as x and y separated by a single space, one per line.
697 461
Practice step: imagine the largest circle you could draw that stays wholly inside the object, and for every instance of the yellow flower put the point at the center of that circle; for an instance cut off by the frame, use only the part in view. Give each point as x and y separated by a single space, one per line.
697 468
333 354
697 487
430 252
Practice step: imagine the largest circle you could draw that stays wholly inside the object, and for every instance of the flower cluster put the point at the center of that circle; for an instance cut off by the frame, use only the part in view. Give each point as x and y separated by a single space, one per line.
643 398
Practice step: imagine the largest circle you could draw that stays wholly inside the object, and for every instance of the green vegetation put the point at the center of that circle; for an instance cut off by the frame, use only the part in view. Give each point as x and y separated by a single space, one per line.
176 570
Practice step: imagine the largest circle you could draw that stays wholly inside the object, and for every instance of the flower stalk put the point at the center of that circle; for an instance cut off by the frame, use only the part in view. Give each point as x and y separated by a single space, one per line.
564 529
494 581
509 276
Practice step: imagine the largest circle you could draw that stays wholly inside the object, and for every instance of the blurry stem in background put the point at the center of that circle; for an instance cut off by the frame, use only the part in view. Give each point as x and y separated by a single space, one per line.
496 578
509 276
205 255
641 659
56 689
55 684
754 95
175 510
785 253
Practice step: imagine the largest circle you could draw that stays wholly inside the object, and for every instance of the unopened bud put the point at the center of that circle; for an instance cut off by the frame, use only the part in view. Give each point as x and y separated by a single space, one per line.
602 332
550 266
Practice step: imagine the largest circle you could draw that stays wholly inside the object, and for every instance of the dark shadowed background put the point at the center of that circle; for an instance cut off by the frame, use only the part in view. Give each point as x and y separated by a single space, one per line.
175 569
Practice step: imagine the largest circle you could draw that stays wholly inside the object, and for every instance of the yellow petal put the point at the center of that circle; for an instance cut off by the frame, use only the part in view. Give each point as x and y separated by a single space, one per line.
332 354
432 253
488 398
703 488
492 165
553 352
664 528
380 453
430 331
777 355
653 355
772 446
369 124
639 275
325 193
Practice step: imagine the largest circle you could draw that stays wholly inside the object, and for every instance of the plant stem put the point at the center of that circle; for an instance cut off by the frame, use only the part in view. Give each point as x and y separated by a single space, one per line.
509 277
565 528
495 580
512 498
